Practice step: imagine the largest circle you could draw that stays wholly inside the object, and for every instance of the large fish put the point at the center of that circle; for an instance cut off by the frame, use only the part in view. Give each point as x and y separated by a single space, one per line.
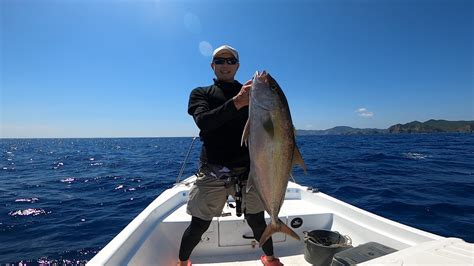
269 134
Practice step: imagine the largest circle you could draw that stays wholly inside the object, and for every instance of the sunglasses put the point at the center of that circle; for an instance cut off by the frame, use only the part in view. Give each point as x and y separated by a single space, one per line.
221 61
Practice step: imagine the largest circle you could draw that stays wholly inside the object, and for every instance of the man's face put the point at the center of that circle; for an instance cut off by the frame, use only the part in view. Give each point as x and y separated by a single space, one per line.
222 69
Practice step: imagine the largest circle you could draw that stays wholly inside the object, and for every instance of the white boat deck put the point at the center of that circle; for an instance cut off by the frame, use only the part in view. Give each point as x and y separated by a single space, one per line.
228 225
154 236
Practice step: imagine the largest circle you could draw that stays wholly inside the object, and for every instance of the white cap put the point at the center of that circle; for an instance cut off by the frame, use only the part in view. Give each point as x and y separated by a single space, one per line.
228 48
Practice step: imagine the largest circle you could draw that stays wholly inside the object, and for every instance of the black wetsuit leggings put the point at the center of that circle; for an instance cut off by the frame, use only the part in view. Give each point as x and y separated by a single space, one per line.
193 233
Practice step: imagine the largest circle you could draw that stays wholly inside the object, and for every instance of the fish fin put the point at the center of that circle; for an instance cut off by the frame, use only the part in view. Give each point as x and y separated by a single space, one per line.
268 126
279 227
245 134
286 230
298 159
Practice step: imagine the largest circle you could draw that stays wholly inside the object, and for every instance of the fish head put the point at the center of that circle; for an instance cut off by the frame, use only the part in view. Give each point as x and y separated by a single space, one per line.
266 92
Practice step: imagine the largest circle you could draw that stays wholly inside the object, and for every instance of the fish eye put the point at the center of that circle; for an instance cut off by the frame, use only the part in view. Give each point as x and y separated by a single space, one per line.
273 87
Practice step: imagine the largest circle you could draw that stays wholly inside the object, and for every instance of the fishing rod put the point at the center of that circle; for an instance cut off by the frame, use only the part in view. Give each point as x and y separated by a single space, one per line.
185 161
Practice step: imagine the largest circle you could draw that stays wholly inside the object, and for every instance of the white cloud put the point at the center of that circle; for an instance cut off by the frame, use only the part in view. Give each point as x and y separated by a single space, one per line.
364 112
367 114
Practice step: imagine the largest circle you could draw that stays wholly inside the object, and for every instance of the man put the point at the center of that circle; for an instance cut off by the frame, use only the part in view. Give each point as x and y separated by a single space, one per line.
221 111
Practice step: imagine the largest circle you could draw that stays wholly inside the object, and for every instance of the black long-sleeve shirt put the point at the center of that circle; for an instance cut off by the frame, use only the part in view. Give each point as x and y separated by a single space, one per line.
220 123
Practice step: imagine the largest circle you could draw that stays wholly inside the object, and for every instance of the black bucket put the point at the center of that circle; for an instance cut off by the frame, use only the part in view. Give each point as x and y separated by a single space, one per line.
321 245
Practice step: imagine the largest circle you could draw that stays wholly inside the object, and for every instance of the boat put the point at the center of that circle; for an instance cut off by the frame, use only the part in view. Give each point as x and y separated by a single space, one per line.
154 236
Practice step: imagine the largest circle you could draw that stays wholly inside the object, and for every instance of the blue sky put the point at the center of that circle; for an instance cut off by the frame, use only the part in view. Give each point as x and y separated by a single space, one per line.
84 68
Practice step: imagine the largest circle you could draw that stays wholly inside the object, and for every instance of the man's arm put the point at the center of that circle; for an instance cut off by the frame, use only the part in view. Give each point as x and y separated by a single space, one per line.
207 119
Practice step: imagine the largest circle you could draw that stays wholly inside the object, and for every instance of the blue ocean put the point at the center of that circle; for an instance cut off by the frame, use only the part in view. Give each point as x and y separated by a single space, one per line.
62 200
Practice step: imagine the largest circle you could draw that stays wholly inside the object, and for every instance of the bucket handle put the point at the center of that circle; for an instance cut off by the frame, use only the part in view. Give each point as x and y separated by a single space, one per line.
306 236
348 240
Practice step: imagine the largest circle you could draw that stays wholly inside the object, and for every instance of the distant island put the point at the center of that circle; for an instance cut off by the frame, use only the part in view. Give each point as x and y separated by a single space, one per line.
430 126
434 126
342 130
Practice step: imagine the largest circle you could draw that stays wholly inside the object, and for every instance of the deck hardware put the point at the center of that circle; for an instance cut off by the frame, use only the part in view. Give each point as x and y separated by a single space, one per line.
254 243
248 237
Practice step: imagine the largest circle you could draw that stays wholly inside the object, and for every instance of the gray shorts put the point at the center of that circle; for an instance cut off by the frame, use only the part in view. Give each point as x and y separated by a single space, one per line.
209 195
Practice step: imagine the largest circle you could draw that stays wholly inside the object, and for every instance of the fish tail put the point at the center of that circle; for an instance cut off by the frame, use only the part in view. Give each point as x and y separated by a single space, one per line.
272 228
